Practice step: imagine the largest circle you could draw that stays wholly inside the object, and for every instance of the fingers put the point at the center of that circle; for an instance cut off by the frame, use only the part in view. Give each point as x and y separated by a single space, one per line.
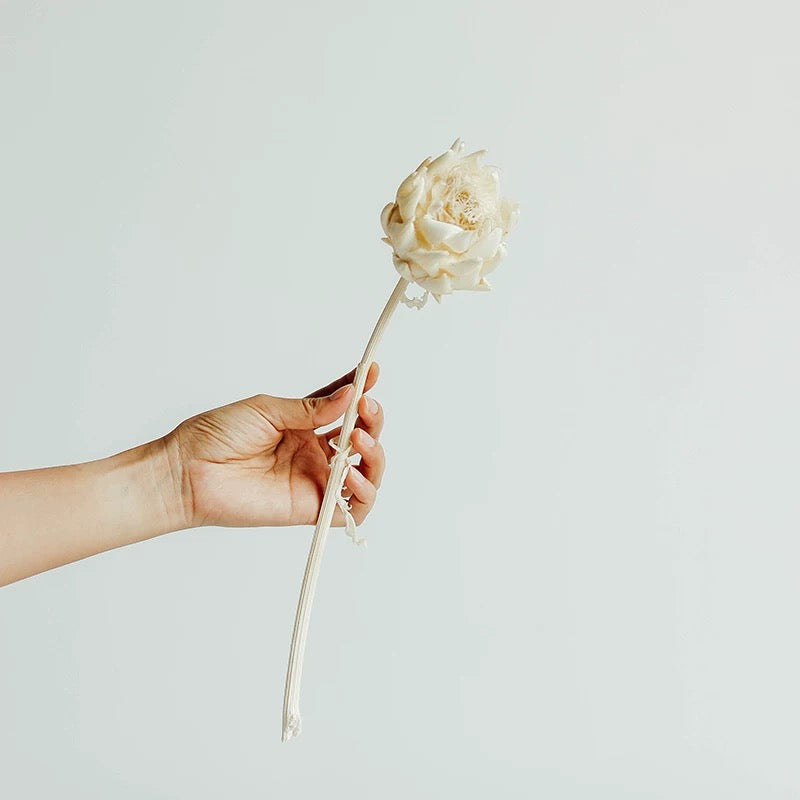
363 494
318 408
364 480
370 416
373 458
368 420
372 377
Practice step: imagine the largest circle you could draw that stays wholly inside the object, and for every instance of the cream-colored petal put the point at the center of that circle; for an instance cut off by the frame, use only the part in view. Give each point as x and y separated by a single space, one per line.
426 256
387 210
440 233
461 242
468 281
435 207
509 211
440 285
441 164
387 240
438 189
408 184
465 266
403 236
435 231
472 161
483 286
418 273
402 267
432 261
408 202
486 246
491 264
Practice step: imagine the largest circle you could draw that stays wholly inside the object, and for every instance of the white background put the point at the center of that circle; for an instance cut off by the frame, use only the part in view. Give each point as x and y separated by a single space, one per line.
582 578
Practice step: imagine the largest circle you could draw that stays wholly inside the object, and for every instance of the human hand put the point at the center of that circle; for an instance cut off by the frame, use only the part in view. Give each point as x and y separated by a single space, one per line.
259 461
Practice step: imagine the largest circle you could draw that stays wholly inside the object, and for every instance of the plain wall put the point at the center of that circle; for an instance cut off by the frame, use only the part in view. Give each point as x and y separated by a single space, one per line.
582 577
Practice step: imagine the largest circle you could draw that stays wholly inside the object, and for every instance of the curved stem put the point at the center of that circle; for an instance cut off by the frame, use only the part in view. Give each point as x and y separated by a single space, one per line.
291 697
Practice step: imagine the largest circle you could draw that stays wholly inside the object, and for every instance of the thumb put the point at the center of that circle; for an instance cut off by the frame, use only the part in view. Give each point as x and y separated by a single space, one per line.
304 413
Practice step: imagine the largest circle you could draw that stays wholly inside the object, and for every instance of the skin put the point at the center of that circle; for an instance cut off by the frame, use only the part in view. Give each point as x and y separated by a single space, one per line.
256 462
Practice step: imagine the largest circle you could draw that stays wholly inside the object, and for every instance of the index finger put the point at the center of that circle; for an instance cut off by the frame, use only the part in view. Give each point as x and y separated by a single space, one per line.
372 377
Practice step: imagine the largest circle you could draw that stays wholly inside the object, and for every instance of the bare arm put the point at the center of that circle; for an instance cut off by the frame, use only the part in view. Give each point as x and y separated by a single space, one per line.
57 515
255 462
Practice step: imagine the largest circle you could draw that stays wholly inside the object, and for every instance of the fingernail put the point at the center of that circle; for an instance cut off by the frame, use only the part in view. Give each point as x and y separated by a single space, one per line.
366 439
343 390
372 405
359 478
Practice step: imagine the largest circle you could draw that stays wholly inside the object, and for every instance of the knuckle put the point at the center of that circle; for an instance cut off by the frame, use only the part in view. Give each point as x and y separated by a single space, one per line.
309 404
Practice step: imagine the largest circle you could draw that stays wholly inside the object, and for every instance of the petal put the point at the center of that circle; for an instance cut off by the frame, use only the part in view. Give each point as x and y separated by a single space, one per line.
444 233
465 266
402 268
483 286
403 236
407 203
491 264
442 163
418 273
486 246
432 261
387 209
468 281
408 184
509 211
435 209
440 285
437 192
457 147
473 160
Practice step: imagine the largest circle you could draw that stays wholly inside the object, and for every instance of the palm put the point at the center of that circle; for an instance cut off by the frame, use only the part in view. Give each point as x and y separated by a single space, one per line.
240 469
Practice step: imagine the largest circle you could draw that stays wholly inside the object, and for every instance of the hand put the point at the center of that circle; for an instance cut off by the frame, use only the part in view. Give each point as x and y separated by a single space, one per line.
259 461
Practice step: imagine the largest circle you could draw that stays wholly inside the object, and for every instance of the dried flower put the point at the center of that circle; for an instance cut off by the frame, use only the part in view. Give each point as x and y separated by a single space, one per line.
448 224
447 228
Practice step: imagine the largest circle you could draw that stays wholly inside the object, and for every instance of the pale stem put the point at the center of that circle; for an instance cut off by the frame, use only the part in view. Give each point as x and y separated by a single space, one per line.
291 697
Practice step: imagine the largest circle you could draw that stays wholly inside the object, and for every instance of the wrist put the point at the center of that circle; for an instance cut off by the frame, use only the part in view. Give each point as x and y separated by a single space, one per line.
175 486
147 482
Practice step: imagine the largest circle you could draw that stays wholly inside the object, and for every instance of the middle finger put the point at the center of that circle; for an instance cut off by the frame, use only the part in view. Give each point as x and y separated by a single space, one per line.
371 422
373 459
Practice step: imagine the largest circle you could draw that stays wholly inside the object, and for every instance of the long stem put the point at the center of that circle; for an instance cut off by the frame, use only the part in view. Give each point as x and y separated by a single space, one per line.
291 697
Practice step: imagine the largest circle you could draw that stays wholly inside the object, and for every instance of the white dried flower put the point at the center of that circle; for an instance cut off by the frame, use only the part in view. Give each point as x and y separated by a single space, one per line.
448 224
447 228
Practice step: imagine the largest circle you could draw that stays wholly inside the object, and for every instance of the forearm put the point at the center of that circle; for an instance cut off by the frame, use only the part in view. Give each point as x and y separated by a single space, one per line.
50 517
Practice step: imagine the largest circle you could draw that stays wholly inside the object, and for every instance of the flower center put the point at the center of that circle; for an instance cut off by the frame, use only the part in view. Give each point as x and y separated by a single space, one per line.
469 200
464 209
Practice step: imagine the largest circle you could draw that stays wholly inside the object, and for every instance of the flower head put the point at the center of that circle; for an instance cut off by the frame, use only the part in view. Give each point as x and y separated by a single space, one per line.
448 224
